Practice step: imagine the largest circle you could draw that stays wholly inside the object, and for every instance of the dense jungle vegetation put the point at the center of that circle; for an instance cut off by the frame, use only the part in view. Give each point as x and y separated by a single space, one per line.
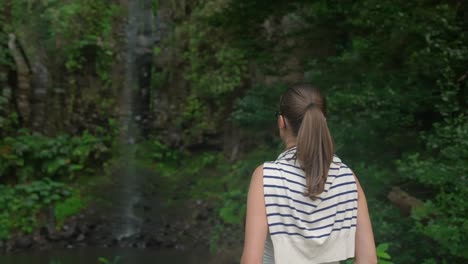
394 73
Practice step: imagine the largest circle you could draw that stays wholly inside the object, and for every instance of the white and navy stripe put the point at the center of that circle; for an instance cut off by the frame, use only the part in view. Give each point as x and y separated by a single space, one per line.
291 215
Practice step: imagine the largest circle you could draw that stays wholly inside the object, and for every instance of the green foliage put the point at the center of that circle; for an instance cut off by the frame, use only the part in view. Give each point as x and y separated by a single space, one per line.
216 236
216 69
70 28
206 175
155 7
216 74
158 77
236 178
233 210
382 255
82 25
200 117
101 260
442 218
72 36
243 21
158 155
257 108
104 260
33 156
180 170
3 101
69 207
20 204
7 120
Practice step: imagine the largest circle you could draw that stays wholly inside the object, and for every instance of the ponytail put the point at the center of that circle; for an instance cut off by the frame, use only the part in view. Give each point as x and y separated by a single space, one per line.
314 149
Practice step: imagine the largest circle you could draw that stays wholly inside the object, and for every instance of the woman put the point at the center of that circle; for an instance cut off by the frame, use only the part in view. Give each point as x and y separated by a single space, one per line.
307 206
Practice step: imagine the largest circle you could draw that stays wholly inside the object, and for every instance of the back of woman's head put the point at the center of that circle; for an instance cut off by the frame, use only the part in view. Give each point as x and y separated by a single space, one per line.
305 109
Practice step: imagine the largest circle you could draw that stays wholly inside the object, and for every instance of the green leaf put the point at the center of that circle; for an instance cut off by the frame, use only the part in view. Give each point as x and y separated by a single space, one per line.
383 255
103 260
384 262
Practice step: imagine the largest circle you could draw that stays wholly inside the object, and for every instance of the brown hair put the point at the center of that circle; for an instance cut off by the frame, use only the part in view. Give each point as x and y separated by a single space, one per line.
305 109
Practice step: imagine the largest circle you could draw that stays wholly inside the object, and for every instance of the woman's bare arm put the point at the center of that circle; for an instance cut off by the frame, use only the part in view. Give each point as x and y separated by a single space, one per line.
365 246
256 223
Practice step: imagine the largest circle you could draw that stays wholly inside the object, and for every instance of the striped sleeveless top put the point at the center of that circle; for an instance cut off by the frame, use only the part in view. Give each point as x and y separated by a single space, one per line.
302 230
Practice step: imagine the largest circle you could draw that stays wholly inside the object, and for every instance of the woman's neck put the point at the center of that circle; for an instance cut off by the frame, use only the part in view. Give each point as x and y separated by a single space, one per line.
291 142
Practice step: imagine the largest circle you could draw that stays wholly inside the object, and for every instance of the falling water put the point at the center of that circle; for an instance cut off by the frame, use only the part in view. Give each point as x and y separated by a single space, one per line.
134 113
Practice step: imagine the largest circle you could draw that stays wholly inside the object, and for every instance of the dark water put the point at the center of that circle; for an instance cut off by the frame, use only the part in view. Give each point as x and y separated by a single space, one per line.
91 256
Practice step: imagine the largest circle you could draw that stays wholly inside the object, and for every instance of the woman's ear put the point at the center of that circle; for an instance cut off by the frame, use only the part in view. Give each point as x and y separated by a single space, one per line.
281 122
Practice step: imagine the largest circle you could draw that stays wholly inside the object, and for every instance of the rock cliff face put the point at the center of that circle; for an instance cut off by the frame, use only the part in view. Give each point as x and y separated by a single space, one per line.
24 79
182 73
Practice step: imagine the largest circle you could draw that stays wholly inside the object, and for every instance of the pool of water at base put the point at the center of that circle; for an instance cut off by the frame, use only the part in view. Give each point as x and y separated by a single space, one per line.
92 256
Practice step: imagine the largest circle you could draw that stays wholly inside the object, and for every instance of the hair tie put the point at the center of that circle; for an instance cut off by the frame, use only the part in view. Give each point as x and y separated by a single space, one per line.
310 106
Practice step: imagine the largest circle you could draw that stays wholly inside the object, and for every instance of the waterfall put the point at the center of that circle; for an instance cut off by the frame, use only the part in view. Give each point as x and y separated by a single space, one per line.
135 108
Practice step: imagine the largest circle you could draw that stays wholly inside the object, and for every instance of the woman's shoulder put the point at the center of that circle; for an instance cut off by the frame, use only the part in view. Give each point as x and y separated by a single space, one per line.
257 173
337 163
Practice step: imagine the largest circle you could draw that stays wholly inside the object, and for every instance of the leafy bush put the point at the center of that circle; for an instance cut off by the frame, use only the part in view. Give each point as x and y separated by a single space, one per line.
215 70
33 156
20 204
208 176
444 173
70 28
382 255
69 207
100 260
257 107
114 260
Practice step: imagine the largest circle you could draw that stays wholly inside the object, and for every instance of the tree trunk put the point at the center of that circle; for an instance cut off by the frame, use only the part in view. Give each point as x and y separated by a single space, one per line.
24 80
